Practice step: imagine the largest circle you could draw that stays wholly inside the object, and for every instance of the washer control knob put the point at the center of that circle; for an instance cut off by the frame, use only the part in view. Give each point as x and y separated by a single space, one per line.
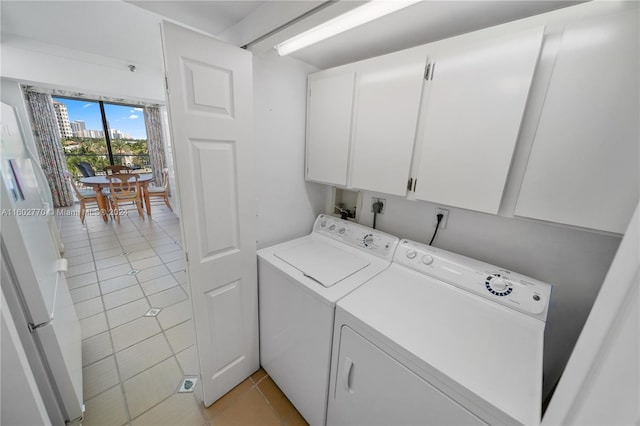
341 230
368 240
332 227
427 260
323 223
411 254
499 284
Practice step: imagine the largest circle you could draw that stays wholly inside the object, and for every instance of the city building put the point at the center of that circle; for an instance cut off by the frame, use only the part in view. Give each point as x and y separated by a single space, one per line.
78 127
64 126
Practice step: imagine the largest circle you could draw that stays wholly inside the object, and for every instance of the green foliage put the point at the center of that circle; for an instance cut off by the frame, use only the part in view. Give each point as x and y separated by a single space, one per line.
94 151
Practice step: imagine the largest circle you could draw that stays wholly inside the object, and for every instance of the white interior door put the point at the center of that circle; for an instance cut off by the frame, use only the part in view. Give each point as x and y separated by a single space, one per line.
210 89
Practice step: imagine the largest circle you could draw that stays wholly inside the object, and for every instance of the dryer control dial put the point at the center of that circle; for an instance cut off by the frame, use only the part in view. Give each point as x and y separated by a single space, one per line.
497 285
411 254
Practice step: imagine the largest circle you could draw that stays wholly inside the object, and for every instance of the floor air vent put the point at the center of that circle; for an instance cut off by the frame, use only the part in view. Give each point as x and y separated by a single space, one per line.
188 384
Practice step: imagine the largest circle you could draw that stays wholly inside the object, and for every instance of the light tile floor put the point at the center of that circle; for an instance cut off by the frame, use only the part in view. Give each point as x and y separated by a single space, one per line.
133 364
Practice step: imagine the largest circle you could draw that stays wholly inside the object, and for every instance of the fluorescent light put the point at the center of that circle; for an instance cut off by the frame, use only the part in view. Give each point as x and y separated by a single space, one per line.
369 11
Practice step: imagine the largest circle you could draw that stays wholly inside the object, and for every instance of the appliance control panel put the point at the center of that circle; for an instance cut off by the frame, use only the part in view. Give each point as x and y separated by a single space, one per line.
500 285
356 235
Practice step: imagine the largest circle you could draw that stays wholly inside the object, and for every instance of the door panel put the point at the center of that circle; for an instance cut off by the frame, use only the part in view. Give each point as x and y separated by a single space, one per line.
329 127
389 89
226 323
215 175
208 88
372 388
476 103
210 107
584 167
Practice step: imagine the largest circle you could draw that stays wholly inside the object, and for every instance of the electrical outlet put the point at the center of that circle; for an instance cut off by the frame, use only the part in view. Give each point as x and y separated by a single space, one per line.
375 200
445 217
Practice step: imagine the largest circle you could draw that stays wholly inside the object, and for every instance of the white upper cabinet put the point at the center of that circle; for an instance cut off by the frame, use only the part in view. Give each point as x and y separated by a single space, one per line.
389 89
475 99
584 165
329 117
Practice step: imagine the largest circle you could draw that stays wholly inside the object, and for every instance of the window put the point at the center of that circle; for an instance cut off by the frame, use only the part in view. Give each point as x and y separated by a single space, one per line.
102 134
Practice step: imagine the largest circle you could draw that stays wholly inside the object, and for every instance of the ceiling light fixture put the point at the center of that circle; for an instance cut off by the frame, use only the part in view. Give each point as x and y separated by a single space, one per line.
369 11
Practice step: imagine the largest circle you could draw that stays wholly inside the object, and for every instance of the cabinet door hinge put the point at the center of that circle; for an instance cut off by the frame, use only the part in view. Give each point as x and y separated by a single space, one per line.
415 183
186 257
409 184
433 71
166 83
427 72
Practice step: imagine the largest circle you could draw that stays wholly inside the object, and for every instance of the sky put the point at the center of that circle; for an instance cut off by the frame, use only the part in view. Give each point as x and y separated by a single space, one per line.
127 119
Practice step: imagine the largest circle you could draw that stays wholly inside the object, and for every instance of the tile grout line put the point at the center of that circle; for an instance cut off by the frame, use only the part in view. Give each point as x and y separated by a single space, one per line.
113 349
104 310
162 331
273 409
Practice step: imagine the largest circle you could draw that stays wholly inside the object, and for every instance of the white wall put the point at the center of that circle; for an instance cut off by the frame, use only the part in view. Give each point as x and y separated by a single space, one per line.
574 261
55 67
286 204
600 385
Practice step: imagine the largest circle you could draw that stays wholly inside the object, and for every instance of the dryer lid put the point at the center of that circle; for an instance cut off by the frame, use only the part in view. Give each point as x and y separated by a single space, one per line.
324 263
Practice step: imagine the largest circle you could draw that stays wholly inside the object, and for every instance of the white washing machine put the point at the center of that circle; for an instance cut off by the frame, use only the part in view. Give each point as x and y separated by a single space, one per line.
299 283
439 339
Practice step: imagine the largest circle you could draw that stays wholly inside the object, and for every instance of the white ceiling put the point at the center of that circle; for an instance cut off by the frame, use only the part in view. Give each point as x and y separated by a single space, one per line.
419 24
212 17
129 31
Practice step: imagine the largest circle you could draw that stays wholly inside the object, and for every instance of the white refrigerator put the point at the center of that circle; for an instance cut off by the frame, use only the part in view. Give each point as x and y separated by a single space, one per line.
34 283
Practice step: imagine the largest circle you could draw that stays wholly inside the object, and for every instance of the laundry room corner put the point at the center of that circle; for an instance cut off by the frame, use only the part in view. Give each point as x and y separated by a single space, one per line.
286 205
573 260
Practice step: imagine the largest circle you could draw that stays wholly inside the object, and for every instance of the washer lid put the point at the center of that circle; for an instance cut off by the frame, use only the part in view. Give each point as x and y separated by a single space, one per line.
322 262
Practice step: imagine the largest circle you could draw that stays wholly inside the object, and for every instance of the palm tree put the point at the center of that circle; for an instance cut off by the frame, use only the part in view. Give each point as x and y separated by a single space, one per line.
93 146
119 149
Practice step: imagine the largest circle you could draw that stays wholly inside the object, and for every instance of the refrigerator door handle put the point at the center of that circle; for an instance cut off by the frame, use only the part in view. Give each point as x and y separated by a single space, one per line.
33 327
62 267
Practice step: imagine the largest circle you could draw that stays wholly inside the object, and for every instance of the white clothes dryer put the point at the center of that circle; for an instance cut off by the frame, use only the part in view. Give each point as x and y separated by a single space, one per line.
299 283
439 339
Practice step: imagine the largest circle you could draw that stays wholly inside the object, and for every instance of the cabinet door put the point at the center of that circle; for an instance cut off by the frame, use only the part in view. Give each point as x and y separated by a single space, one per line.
388 99
329 116
371 388
584 165
475 107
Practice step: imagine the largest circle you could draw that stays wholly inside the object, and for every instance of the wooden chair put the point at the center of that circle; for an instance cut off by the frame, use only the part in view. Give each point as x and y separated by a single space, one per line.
109 170
84 196
161 191
124 188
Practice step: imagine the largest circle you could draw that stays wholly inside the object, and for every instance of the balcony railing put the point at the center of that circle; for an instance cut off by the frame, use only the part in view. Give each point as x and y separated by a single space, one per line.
139 162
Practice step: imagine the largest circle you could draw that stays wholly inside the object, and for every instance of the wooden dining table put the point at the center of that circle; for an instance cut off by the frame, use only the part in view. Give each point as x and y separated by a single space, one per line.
98 183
